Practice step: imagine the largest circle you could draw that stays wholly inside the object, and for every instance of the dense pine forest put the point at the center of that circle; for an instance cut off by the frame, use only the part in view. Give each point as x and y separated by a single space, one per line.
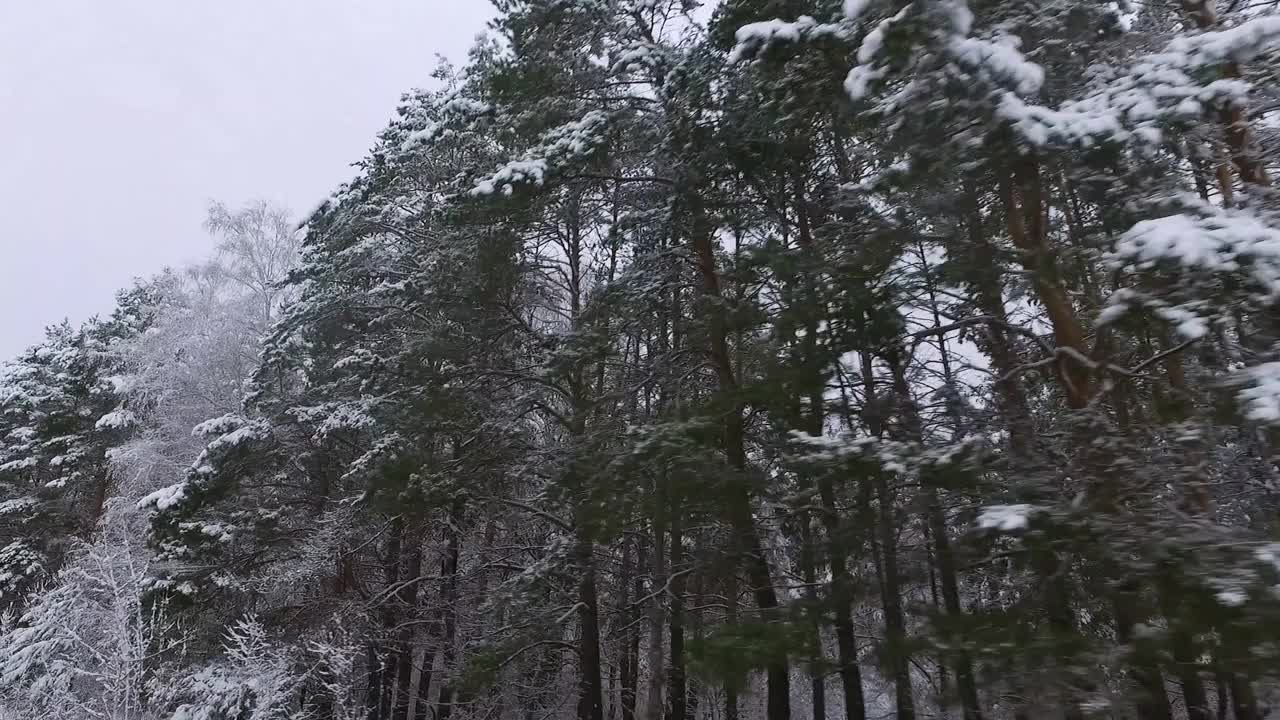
765 359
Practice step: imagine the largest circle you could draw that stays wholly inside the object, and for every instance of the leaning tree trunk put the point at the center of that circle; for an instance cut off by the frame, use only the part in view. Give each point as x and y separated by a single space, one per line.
988 294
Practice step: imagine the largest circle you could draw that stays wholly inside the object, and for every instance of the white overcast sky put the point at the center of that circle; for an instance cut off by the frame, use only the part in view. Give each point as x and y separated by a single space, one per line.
121 119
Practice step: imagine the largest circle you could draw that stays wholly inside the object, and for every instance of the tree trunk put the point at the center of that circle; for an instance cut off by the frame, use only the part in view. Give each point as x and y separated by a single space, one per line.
817 681
404 598
841 592
1024 214
677 683
1235 125
629 671
965 683
1152 702
738 504
731 687
1221 683
935 519
891 597
393 661
841 582
654 658
590 687
890 584
449 606
811 389
373 684
422 710
988 295
1186 667
1243 702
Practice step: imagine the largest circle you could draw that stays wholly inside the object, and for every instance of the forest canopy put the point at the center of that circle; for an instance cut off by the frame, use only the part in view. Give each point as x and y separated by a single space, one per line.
671 360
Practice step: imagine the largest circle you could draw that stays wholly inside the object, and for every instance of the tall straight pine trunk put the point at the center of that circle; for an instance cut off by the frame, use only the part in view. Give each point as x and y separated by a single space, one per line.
733 434
837 551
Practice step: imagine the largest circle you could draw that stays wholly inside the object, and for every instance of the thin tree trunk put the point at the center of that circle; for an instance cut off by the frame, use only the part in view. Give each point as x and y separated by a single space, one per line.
731 687
393 661
654 660
373 686
931 561
935 519
891 597
1196 501
813 423
696 630
890 583
404 598
1222 681
965 683
841 591
817 681
628 672
677 683
1186 655
449 605
988 295
1024 214
1240 143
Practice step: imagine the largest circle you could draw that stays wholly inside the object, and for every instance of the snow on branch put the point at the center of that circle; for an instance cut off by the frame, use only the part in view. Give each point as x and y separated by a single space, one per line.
865 72
1181 261
1212 242
996 61
641 55
451 111
164 498
1196 262
1241 43
20 565
116 420
562 145
888 455
1164 87
757 37
1006 518
1260 393
218 426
